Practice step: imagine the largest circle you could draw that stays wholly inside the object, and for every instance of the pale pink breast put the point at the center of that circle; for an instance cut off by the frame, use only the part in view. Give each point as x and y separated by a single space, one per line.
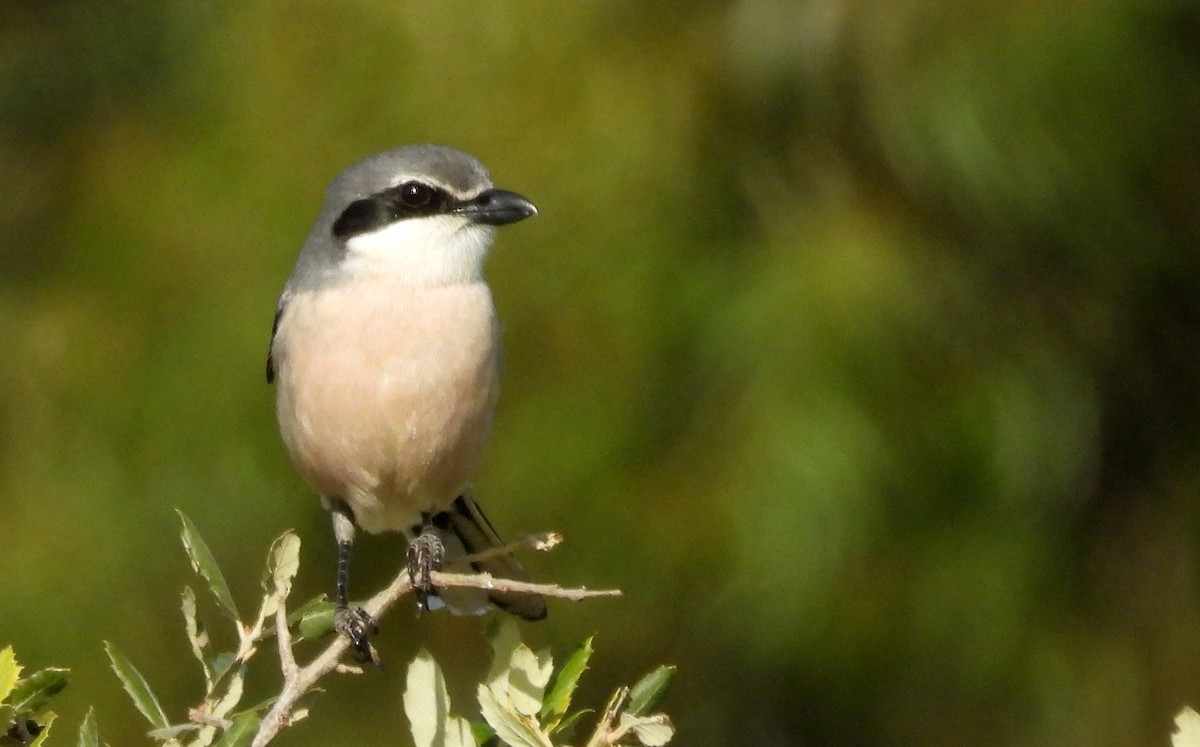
385 394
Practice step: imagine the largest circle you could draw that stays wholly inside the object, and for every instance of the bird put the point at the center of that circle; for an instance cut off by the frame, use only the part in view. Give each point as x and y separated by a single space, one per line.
386 359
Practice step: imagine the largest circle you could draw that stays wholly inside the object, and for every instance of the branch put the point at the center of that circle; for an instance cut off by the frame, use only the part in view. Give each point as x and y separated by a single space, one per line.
299 681
490 583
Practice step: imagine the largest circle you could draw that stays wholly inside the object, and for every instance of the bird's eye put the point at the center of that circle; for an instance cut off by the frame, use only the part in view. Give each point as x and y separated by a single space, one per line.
415 195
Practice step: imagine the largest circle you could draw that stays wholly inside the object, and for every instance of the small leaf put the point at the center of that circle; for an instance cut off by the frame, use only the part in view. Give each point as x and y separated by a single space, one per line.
137 687
233 694
504 638
565 728
10 670
33 693
652 731
89 733
47 719
221 663
264 705
559 700
285 561
205 564
518 676
649 691
197 635
528 674
172 731
204 737
1187 729
241 731
513 729
458 733
314 619
482 732
426 702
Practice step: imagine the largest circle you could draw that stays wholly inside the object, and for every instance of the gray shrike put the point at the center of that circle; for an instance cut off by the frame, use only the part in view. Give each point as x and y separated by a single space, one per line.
385 354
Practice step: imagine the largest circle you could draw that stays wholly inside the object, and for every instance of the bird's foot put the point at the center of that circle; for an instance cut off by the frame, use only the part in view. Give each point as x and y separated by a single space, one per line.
358 626
425 555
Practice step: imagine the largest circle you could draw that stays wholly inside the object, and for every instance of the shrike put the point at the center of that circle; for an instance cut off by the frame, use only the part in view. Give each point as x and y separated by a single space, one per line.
385 354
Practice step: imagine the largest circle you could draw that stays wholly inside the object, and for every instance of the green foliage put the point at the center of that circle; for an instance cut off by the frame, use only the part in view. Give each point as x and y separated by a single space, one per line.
428 707
520 712
518 703
649 690
136 686
241 731
31 694
224 671
205 564
24 701
89 732
554 707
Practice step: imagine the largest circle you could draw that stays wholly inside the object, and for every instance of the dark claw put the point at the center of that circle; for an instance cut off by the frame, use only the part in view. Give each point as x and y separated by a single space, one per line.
358 626
425 555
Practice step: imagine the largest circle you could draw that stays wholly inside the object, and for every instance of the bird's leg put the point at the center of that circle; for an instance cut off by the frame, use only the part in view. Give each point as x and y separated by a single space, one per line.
352 622
425 555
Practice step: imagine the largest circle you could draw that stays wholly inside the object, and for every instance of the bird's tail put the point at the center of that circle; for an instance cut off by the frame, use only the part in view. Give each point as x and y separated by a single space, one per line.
465 522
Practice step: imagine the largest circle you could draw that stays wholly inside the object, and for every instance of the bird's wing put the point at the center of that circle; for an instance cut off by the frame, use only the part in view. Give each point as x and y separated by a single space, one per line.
271 346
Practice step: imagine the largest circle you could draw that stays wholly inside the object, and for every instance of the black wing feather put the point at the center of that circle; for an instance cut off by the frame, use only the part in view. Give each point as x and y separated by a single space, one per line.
271 345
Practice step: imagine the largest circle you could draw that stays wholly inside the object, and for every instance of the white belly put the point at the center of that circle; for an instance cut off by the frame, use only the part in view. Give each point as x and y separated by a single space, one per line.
385 394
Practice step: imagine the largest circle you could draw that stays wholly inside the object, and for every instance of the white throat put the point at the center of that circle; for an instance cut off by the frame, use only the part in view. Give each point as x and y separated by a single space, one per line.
431 251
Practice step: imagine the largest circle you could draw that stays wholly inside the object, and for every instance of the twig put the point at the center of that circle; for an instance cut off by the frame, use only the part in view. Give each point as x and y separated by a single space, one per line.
540 542
287 661
604 729
490 583
299 681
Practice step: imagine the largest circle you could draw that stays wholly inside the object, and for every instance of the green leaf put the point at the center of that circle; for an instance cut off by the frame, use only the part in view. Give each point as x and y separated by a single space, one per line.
528 674
233 694
314 619
504 638
243 729
426 702
482 732
47 719
518 676
459 733
565 729
285 562
652 731
514 729
33 693
205 564
221 663
172 731
555 706
89 732
649 691
10 670
197 635
265 705
137 687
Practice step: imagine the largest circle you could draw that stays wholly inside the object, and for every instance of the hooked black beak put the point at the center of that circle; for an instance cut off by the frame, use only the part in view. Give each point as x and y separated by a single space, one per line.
497 207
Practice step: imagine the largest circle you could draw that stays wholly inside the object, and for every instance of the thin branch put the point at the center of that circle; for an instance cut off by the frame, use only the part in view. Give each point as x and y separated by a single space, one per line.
299 681
287 661
490 583
541 542
605 727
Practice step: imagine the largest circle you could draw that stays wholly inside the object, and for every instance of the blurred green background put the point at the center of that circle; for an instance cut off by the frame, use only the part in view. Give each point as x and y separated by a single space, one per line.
856 341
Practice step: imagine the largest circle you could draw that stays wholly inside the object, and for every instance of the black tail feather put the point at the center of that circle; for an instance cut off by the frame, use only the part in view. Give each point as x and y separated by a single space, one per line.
465 519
